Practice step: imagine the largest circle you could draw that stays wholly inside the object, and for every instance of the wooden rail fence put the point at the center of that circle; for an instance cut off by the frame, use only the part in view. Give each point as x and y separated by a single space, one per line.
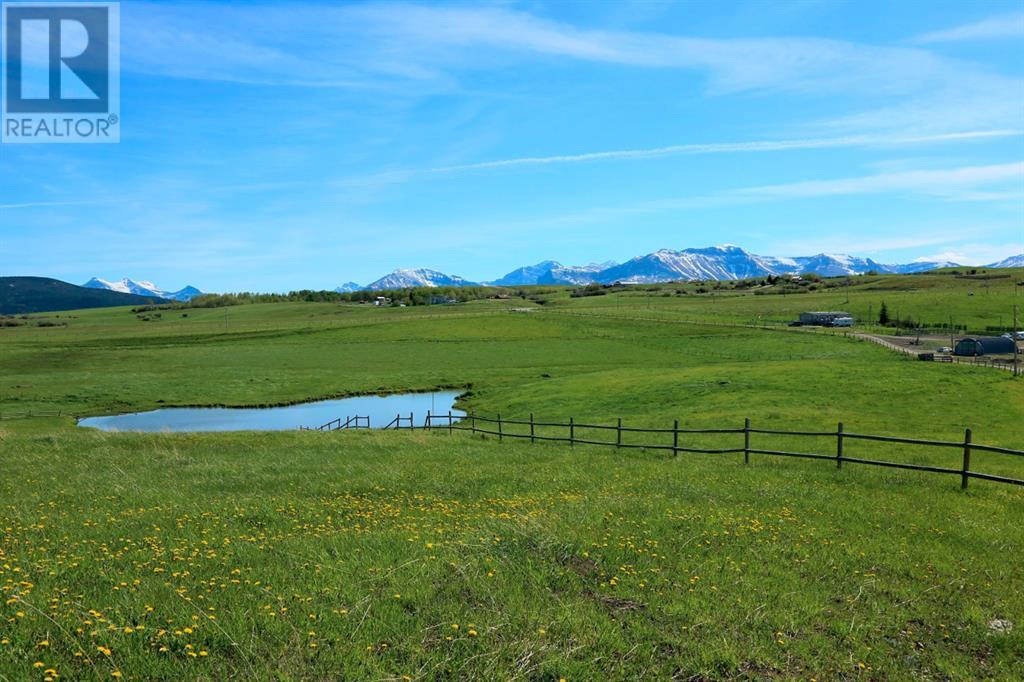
355 422
498 426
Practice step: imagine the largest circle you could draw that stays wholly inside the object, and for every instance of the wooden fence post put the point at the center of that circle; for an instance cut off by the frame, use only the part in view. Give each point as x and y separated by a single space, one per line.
532 439
412 424
500 436
472 420
839 446
965 476
675 438
746 440
618 435
572 432
449 422
426 422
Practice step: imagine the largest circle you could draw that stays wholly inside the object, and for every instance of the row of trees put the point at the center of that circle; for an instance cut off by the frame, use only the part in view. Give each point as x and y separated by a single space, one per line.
411 297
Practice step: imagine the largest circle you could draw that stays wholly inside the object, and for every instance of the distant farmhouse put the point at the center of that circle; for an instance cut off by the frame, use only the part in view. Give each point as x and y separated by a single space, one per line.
984 345
835 318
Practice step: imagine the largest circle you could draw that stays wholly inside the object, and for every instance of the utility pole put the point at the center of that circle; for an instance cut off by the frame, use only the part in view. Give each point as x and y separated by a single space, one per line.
952 344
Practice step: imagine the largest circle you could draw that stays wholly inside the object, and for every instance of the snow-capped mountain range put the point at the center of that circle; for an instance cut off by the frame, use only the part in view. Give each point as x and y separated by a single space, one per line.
143 288
1011 262
553 272
408 278
712 263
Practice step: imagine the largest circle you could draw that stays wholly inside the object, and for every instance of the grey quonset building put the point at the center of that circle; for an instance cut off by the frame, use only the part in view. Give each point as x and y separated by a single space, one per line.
984 345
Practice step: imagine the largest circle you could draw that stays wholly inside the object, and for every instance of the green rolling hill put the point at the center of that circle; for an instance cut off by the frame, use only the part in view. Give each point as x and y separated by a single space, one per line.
21 295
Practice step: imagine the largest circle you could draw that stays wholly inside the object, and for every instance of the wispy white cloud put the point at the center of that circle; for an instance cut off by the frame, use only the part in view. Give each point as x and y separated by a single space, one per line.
415 49
962 184
47 204
867 246
315 44
732 148
975 253
750 147
998 27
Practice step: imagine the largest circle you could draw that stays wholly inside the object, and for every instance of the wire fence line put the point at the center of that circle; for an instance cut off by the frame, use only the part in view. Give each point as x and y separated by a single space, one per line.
670 440
774 325
29 414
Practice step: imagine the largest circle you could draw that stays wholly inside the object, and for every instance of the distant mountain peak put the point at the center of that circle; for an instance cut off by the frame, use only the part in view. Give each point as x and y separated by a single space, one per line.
348 287
1011 262
142 288
407 278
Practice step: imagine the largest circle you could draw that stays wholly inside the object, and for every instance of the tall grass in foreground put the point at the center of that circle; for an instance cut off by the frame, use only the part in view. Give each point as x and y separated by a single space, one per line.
419 555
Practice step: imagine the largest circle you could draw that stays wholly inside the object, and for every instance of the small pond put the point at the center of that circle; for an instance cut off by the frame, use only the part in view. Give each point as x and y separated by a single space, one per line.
381 409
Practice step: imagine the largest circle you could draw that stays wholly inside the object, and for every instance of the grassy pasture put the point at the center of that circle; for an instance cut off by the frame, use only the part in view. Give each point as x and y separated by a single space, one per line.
379 556
972 301
353 555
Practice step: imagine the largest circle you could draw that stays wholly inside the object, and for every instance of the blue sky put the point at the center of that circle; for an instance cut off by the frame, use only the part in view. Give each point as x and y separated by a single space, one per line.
301 145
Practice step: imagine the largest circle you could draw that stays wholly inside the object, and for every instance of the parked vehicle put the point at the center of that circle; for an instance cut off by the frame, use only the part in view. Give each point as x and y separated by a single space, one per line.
945 349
